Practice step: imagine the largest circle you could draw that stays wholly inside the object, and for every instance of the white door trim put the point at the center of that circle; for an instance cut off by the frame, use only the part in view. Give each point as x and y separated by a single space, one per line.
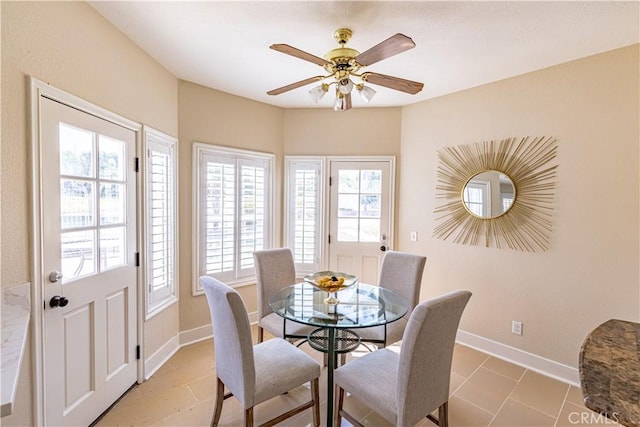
392 195
40 89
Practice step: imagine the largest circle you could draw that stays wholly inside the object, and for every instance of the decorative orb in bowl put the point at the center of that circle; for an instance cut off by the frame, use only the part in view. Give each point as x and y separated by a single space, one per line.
331 281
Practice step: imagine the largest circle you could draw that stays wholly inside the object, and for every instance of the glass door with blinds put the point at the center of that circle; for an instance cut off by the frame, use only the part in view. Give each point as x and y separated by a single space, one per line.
339 213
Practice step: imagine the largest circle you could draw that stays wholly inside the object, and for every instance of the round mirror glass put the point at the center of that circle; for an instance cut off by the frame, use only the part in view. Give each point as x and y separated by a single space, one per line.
489 194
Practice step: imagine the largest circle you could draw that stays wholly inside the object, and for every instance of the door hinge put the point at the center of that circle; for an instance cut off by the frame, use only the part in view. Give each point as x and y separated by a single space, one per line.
137 164
329 238
330 181
137 352
137 259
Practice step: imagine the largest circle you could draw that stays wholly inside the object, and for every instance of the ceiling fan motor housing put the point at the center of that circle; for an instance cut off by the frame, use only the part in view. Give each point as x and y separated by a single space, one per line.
342 35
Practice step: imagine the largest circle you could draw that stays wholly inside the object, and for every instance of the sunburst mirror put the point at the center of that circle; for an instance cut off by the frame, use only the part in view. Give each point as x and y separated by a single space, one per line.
497 193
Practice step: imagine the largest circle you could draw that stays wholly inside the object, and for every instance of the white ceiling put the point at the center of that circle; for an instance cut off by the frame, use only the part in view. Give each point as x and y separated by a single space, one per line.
225 44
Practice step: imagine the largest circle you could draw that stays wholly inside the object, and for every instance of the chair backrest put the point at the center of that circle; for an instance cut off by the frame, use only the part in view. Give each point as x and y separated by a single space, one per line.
402 273
235 365
274 270
425 356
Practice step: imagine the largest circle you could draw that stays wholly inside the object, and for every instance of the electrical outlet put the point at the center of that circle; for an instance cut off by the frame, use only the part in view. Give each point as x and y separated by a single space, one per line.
414 236
516 327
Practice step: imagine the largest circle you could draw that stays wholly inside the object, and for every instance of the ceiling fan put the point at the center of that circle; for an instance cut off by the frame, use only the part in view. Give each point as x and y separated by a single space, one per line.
343 66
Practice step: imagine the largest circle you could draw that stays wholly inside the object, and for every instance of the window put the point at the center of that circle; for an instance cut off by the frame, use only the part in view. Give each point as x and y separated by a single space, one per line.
232 208
161 220
303 201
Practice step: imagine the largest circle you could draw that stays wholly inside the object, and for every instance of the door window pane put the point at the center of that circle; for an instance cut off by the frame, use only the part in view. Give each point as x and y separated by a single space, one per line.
111 158
370 206
347 205
347 230
77 250
112 247
369 230
371 181
348 181
112 204
77 203
76 151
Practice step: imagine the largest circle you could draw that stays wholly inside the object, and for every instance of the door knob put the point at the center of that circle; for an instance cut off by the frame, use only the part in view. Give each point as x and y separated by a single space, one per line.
55 276
58 301
383 248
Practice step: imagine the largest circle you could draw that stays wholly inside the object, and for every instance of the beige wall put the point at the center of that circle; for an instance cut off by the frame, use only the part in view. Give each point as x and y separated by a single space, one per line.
361 131
214 117
72 47
590 273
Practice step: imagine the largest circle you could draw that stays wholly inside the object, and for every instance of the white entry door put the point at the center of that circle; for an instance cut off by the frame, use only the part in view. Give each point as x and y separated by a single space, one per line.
88 201
360 207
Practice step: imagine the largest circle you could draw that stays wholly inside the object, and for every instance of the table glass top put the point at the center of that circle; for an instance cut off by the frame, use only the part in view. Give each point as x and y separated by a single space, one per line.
359 306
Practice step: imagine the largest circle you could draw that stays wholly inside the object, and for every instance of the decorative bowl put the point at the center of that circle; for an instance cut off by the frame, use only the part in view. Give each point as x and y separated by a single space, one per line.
324 280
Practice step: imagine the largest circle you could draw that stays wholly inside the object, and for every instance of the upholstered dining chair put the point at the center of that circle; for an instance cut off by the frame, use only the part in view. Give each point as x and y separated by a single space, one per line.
402 273
254 374
275 270
412 384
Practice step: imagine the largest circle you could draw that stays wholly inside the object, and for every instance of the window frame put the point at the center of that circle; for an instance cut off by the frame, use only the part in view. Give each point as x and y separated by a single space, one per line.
159 300
319 163
235 278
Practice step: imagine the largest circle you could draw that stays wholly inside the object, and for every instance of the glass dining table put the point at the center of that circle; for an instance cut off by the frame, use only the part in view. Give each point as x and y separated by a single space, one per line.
358 306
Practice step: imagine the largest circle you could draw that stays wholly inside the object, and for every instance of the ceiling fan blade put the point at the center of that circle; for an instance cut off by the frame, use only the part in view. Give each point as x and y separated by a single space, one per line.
392 46
295 85
395 83
290 50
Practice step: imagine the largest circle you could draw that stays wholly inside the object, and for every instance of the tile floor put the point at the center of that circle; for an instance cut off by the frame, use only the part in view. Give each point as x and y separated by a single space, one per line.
485 391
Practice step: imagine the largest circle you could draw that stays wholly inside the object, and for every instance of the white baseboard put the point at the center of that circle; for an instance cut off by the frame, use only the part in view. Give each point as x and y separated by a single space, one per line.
160 357
253 317
202 333
195 335
547 367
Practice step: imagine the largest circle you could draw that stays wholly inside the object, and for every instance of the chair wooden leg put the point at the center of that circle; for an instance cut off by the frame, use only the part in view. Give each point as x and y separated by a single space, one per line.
260 334
315 396
341 413
343 358
218 406
248 417
443 414
337 419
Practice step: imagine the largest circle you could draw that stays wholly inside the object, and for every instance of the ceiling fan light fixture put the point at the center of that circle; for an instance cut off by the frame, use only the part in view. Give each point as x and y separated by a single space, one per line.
345 85
366 93
318 92
339 104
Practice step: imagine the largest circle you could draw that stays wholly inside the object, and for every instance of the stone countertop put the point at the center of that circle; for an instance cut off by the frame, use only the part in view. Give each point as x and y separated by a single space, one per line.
16 306
610 371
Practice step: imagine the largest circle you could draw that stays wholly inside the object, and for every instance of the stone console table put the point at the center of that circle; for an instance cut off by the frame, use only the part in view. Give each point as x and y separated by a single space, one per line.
610 371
